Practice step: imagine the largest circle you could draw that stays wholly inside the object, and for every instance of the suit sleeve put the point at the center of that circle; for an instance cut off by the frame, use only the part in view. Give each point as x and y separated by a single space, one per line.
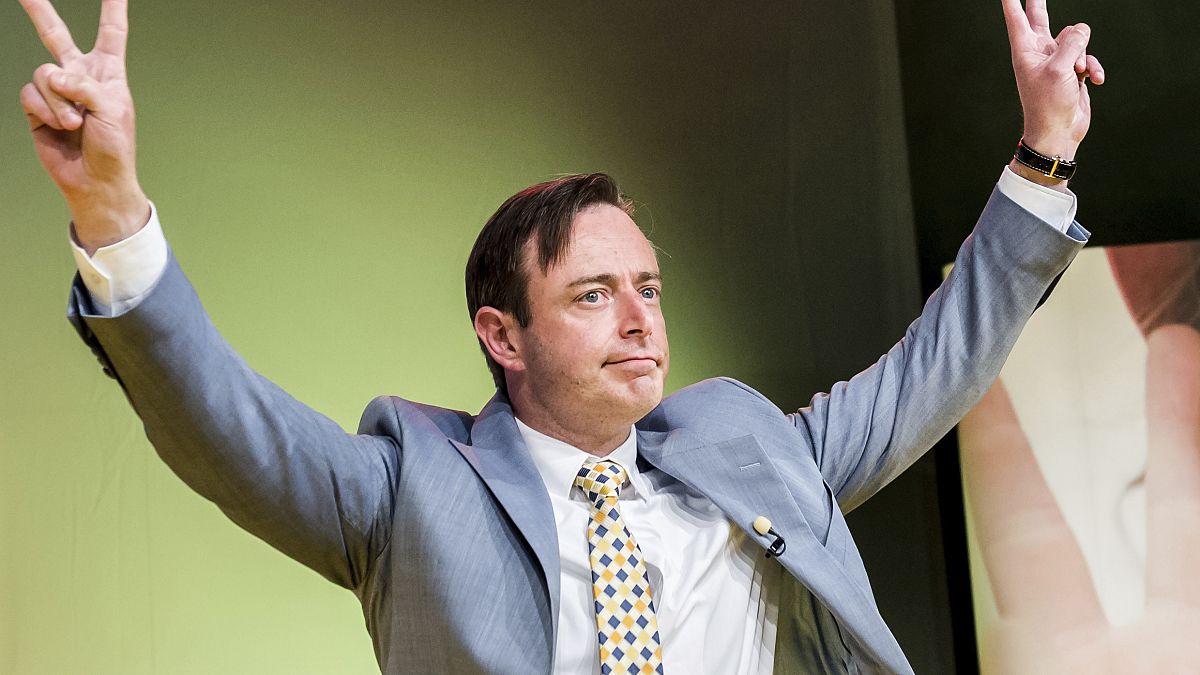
282 471
867 430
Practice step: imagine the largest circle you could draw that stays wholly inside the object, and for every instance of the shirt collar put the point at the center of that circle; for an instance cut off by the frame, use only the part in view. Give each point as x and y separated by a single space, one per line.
558 462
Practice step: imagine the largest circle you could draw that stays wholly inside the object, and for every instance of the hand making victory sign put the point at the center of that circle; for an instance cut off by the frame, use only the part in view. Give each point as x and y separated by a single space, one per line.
81 115
1052 75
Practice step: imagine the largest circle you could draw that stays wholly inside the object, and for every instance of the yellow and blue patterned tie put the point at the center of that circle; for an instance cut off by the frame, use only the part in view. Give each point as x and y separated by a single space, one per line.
626 625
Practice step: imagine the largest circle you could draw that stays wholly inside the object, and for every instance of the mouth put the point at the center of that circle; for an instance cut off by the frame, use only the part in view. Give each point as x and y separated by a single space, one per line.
640 361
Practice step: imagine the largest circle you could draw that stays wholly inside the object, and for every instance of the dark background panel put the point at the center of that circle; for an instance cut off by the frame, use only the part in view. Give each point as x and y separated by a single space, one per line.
1137 180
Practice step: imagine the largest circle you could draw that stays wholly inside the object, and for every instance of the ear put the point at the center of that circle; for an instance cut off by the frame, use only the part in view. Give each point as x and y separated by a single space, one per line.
500 334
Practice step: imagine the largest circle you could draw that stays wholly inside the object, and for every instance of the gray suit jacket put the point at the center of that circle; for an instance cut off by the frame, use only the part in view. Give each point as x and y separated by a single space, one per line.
440 524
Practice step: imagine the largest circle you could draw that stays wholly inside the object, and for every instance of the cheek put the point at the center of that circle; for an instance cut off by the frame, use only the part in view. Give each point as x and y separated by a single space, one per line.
588 340
665 346
573 350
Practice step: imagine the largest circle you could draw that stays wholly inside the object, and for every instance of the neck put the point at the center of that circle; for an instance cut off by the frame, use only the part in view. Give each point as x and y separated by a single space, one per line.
599 445
597 436
575 423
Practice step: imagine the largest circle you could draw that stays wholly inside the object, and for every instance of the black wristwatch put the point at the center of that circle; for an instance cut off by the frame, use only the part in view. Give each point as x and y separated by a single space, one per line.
1054 167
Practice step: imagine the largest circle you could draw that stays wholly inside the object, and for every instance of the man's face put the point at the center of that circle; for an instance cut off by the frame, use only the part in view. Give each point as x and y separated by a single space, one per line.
595 350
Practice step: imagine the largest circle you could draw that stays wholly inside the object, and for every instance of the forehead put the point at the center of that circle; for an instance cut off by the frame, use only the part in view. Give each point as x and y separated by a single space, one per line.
604 239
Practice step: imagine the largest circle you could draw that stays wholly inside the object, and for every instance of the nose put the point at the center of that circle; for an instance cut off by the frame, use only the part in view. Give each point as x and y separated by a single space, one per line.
637 318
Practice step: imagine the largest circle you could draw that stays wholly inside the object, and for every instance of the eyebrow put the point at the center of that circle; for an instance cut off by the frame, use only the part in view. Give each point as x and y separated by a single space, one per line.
611 279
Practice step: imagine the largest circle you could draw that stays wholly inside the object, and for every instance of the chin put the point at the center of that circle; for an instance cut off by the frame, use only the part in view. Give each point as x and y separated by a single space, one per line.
645 410
644 397
632 398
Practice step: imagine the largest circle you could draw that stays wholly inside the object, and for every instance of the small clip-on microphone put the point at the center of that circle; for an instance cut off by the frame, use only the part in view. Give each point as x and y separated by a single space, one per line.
762 525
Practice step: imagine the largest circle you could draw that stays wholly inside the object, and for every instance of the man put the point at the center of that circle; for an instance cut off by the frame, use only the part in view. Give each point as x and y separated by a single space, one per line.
547 534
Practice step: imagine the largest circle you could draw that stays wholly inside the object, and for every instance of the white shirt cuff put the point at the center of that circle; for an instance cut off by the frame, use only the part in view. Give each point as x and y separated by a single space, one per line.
119 275
1050 205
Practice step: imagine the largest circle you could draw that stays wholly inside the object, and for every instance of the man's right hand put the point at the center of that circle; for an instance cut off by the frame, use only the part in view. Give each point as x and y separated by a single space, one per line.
81 114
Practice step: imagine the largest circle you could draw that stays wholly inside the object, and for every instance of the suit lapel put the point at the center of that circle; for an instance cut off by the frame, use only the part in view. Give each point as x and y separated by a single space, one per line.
735 474
739 477
498 454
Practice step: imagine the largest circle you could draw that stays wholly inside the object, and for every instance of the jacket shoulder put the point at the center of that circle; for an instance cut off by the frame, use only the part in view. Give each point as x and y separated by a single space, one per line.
720 401
397 417
719 389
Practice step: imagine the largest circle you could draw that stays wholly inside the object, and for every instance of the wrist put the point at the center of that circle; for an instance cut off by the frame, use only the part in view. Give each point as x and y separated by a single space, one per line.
1051 144
103 220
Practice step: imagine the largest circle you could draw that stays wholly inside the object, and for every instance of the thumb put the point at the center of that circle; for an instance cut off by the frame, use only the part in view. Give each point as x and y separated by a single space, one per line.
1072 47
77 88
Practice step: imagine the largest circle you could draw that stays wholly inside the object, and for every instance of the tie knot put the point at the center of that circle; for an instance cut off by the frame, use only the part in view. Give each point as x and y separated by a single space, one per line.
600 480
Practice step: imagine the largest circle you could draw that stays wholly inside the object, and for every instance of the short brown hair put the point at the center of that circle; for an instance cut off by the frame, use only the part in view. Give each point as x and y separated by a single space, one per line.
496 271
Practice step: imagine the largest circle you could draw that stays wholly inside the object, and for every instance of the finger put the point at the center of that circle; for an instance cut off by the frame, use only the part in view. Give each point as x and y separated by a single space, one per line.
1072 44
36 108
1173 465
114 27
1095 71
1080 60
1036 568
1017 23
1039 19
61 107
1160 282
51 29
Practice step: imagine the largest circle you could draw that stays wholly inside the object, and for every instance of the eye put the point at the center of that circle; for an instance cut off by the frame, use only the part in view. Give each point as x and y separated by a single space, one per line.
591 297
650 293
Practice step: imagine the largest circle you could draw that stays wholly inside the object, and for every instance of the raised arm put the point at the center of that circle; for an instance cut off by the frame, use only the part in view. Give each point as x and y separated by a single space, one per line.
867 430
279 469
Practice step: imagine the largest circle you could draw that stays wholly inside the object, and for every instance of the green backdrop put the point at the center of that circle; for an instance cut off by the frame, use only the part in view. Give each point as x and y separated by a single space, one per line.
321 170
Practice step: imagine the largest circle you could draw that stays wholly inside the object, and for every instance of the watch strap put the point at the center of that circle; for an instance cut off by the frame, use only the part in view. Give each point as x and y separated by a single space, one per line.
1054 167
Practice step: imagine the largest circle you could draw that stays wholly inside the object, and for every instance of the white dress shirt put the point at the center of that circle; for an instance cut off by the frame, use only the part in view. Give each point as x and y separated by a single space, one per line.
716 595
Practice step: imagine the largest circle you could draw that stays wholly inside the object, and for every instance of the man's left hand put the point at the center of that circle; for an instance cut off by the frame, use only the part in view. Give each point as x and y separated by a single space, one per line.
1052 75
